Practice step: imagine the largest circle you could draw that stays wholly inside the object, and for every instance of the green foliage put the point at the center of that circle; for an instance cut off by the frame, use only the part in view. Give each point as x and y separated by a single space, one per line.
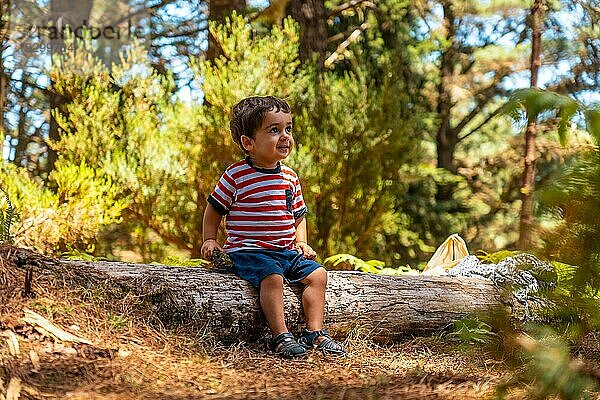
164 155
350 262
532 103
118 322
592 118
80 255
177 261
496 257
471 331
549 369
251 65
72 216
355 198
122 122
347 261
552 111
567 281
428 221
573 201
8 216
564 272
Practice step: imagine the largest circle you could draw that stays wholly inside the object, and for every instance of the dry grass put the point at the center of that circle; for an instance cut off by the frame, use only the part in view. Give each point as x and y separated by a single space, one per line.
133 357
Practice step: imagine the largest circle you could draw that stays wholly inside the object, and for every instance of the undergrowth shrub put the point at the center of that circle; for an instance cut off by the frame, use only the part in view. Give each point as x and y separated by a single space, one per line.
70 216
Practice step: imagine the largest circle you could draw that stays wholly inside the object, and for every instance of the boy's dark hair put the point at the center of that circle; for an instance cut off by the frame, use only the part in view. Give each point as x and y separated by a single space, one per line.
248 114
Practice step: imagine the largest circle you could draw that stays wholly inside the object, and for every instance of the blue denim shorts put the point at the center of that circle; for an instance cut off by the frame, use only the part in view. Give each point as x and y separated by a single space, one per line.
255 265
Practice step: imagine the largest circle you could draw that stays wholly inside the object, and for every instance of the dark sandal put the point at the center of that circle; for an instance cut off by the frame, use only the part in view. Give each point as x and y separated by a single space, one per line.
326 346
286 346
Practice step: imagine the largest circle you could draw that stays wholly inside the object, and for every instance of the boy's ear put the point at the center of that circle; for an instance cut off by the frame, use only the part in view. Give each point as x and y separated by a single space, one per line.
247 142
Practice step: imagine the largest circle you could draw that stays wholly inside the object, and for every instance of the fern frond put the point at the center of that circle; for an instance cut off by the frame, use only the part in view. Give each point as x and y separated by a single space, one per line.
533 102
6 219
566 112
592 119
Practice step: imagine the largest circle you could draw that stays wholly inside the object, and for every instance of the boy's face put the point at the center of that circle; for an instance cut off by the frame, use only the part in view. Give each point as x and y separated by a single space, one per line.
272 140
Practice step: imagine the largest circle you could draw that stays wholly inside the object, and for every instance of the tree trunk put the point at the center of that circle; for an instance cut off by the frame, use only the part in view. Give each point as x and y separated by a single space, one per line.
4 30
228 307
528 181
219 10
312 17
21 147
446 138
3 93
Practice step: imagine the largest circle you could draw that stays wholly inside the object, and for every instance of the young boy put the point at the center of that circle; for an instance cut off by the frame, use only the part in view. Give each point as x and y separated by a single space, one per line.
264 211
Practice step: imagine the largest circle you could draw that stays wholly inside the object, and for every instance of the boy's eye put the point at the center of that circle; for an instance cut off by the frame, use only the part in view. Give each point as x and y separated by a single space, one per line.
274 130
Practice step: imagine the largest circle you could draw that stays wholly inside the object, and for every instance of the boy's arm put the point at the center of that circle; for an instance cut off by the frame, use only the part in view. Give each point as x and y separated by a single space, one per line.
210 226
301 239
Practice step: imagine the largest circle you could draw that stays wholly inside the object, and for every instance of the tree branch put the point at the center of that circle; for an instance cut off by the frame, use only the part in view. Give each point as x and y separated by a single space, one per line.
163 235
488 119
352 4
484 98
143 10
342 46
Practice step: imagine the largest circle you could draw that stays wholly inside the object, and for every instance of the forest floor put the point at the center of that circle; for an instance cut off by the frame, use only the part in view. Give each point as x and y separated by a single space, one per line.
131 357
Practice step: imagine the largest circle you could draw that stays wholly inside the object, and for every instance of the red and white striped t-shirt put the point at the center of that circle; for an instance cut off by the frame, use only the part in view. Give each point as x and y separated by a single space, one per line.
260 206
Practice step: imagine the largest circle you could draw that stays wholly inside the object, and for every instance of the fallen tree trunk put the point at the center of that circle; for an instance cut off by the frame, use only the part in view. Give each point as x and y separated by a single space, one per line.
227 306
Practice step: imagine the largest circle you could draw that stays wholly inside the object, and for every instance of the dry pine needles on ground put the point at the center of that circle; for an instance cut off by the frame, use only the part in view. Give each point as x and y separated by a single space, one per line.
118 350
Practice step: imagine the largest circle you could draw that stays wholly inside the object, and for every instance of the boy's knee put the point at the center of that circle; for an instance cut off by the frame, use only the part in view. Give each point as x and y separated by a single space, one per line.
273 281
317 277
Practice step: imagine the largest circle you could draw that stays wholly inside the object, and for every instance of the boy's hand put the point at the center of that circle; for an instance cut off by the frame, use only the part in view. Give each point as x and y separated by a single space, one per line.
305 249
207 248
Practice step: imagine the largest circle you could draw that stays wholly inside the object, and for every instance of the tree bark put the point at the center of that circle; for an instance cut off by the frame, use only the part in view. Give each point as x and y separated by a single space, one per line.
528 185
446 137
312 17
21 147
227 306
3 92
4 29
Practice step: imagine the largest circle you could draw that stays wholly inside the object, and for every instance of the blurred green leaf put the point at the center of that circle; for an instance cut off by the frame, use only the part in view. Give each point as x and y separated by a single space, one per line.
471 331
592 118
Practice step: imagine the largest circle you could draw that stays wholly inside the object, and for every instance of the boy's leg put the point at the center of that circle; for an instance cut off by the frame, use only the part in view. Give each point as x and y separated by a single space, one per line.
271 302
265 273
262 270
313 298
313 303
